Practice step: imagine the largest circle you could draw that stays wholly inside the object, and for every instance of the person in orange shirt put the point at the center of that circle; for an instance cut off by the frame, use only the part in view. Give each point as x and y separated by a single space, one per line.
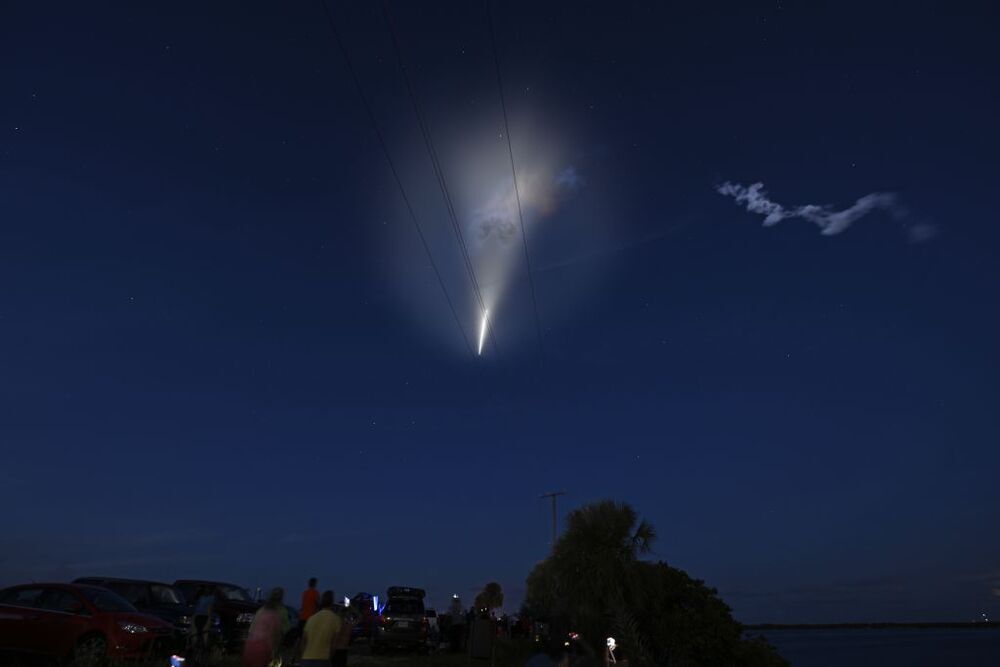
310 602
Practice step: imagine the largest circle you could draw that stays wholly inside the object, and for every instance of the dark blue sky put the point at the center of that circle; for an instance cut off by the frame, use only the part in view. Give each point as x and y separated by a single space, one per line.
211 365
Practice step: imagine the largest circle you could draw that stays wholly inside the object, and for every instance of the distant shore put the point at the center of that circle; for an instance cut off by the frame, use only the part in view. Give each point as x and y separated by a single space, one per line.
870 626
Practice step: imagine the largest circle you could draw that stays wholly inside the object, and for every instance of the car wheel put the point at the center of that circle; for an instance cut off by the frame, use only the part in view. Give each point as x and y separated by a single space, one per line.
90 651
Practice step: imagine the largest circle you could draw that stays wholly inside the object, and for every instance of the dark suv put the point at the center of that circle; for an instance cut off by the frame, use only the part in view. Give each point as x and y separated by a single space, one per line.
402 623
234 606
150 597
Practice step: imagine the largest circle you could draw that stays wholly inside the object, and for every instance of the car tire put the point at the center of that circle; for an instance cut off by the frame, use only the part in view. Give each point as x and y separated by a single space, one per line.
91 651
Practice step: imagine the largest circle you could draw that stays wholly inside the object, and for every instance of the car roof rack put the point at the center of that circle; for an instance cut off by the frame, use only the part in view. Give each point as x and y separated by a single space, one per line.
405 592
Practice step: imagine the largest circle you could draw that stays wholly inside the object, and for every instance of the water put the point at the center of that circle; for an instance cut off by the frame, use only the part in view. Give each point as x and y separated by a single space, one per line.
895 647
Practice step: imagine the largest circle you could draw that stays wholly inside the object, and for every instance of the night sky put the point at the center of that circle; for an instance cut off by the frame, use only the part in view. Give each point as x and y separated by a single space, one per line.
223 352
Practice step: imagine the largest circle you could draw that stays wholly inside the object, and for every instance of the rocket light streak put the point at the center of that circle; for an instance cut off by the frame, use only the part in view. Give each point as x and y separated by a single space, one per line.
482 331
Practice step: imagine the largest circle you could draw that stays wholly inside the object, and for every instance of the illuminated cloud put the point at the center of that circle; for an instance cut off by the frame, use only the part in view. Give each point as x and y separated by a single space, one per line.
568 179
541 195
829 221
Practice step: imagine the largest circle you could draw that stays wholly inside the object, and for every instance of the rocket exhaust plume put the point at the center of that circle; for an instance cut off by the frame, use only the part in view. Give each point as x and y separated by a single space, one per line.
482 331
564 217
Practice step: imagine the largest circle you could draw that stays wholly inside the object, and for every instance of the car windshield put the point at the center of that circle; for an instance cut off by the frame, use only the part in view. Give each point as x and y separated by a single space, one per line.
235 593
166 594
404 607
105 600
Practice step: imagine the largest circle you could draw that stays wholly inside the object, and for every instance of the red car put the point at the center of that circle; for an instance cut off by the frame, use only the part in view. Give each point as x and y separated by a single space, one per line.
85 623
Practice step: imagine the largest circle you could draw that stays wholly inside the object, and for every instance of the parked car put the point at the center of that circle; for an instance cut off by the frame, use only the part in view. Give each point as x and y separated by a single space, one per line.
85 624
234 606
150 597
402 623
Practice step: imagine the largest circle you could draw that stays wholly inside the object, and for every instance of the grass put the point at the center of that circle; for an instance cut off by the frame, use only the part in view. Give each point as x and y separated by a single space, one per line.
509 653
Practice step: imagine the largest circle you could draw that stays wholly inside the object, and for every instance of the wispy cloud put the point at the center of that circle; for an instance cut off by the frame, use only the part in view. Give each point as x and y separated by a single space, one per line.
829 221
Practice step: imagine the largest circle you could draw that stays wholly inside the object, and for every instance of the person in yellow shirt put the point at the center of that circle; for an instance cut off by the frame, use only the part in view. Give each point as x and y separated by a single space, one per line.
319 637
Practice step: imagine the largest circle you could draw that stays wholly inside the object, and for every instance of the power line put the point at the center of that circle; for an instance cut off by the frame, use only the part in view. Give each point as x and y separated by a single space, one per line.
513 172
438 170
554 495
395 173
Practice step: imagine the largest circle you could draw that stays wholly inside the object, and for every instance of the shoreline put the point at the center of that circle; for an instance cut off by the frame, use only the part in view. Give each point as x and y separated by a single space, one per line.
874 626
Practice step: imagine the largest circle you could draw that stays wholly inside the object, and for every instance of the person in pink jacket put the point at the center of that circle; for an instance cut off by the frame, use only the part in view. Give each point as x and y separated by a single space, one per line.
266 632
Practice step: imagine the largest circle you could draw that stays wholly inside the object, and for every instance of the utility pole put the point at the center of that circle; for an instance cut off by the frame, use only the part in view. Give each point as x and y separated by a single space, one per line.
553 496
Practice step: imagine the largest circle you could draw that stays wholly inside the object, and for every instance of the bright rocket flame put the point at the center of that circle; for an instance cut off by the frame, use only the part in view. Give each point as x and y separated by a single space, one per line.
482 331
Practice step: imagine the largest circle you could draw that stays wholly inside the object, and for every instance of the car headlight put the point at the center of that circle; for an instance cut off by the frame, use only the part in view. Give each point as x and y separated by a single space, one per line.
245 618
133 628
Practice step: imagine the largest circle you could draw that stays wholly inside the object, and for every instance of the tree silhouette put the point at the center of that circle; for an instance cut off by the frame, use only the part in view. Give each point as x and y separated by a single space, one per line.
595 583
491 597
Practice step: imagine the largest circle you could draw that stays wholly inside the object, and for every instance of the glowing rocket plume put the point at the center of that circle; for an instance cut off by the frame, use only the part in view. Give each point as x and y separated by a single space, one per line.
482 331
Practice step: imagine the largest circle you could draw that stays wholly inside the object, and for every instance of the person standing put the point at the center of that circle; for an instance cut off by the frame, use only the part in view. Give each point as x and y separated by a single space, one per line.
456 634
310 602
266 631
343 641
319 637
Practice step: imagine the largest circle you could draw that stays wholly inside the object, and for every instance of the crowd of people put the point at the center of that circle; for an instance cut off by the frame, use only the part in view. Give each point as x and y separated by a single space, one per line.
324 634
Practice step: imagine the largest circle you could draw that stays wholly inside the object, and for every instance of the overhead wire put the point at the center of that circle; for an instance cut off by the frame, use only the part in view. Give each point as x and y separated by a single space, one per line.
438 171
395 172
513 172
